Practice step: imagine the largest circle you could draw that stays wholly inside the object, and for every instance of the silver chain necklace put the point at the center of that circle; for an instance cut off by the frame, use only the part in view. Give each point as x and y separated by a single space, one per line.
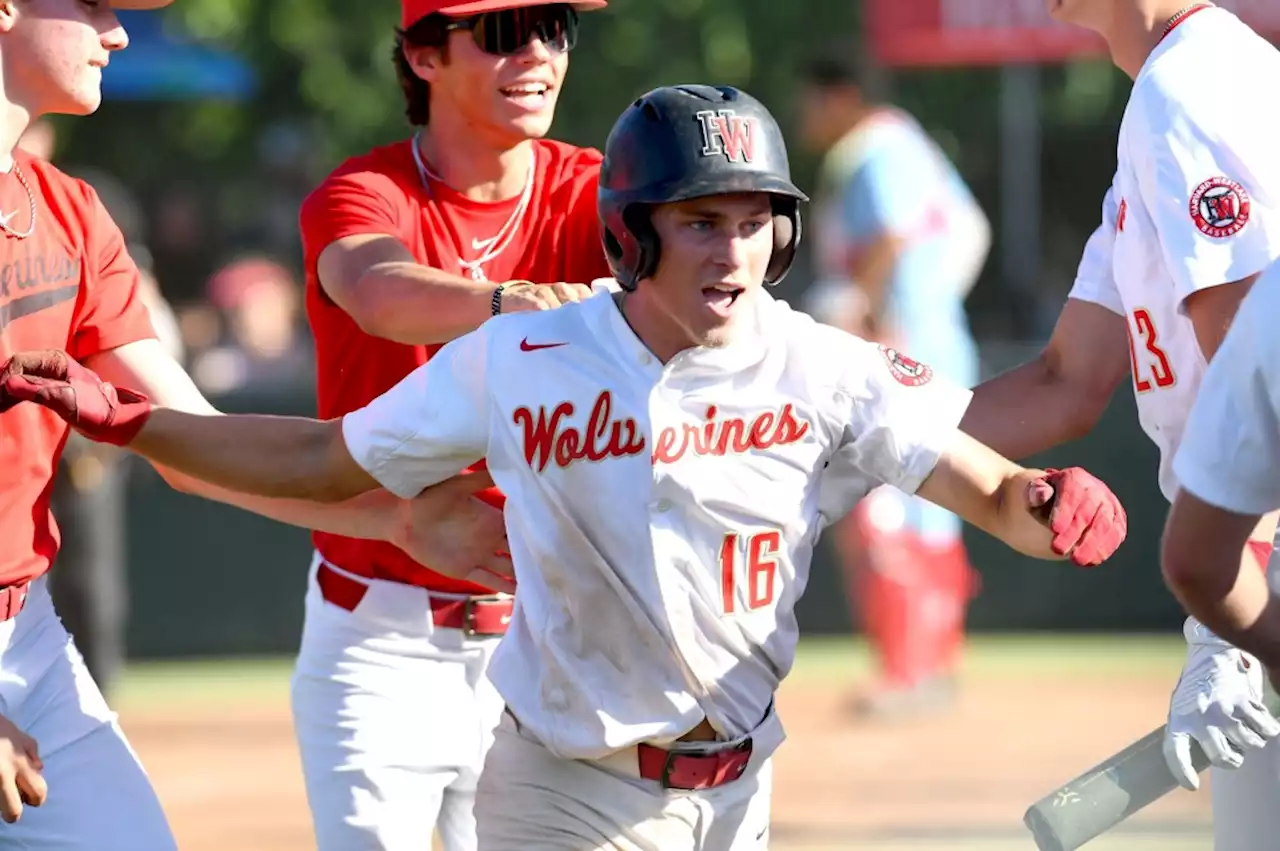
31 199
499 242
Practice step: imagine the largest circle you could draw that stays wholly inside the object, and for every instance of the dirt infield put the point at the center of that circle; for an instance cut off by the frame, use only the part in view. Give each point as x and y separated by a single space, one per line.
227 770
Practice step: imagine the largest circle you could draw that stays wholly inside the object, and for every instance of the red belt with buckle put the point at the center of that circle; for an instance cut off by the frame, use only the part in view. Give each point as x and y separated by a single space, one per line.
693 771
12 599
480 616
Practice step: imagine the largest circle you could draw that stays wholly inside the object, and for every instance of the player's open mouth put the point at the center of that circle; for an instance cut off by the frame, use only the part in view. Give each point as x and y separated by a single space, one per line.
721 297
527 95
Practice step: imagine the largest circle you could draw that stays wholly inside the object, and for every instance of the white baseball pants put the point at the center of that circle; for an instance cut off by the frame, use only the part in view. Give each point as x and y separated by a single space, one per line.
100 799
531 800
393 717
1245 812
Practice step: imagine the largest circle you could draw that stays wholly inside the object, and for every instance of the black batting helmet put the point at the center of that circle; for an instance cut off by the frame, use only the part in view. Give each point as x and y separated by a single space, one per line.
681 142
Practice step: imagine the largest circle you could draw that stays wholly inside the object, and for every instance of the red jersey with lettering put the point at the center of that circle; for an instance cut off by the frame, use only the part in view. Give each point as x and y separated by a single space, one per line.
70 285
557 239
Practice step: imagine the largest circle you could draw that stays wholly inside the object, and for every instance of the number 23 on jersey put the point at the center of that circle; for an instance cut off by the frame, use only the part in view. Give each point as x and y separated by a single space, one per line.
750 560
1150 364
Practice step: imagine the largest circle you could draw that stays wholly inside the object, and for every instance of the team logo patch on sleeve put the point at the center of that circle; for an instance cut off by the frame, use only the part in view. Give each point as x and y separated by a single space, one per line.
1220 207
905 370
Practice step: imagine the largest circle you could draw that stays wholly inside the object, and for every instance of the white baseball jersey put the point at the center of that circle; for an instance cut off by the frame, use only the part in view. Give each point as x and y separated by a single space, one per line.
661 518
1195 203
1230 453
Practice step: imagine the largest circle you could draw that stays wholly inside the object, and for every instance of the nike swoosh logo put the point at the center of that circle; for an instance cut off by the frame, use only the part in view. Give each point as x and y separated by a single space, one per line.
36 302
481 244
526 346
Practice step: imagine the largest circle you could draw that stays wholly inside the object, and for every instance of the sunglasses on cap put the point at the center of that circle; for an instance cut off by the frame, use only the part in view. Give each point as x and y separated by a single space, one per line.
508 31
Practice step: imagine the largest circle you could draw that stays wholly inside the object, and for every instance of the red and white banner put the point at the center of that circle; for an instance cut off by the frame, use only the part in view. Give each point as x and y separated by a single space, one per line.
992 32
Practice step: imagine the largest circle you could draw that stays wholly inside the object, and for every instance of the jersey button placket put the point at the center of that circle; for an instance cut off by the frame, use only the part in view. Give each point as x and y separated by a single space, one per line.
658 504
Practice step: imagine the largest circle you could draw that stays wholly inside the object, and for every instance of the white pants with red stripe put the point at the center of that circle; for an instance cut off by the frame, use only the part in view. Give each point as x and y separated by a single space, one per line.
100 799
393 717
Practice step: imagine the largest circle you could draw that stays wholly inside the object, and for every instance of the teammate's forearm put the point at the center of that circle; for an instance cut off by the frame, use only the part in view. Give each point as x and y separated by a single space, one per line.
413 304
1027 410
370 516
1209 569
1246 614
255 454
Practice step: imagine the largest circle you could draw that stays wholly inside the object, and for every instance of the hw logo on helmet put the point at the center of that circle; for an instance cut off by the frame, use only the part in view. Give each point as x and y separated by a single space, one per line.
728 134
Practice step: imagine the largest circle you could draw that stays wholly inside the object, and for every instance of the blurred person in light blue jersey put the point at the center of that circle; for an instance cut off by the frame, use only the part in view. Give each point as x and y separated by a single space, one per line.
899 243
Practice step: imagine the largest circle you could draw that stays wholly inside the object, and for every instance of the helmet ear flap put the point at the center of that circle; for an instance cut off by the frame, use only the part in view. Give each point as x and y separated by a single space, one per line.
640 226
630 245
640 223
616 252
786 237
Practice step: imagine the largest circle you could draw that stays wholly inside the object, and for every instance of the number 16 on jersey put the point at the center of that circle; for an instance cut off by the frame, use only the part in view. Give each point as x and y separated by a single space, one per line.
749 562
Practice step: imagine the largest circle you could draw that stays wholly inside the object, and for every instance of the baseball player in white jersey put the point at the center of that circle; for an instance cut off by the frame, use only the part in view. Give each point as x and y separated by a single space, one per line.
1191 218
670 449
1229 469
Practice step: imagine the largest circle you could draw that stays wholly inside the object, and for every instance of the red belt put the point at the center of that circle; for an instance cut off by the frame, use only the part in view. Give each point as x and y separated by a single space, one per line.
687 771
12 599
479 615
693 771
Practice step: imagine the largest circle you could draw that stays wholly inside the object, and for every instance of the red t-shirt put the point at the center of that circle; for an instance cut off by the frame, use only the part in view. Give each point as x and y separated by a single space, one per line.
70 285
558 239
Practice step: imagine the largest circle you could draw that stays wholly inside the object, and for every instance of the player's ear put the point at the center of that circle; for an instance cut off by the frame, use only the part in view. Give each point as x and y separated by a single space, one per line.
425 62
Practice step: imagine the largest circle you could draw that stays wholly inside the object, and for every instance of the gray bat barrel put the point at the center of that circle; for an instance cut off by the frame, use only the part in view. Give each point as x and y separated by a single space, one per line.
1105 795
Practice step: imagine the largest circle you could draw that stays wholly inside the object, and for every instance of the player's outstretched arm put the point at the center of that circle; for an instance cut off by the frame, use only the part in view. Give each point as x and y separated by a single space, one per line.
290 457
1061 394
1044 514
902 429
445 526
145 367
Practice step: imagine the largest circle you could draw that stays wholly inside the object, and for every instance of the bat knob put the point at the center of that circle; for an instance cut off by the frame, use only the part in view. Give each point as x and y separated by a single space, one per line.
1042 831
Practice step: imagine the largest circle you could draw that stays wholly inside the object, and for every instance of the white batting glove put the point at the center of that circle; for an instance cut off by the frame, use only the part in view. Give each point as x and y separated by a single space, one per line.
1218 703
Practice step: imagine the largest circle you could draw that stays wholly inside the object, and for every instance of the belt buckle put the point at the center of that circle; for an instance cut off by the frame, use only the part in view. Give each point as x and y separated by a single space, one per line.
719 758
667 765
468 609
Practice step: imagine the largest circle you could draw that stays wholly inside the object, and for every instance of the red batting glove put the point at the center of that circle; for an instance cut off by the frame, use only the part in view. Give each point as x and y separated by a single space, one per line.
1087 520
93 407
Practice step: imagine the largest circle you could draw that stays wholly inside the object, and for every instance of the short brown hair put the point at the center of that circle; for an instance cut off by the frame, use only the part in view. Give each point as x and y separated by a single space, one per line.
428 32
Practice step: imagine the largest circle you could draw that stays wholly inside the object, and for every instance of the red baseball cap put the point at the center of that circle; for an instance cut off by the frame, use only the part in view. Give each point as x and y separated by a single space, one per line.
412 11
138 4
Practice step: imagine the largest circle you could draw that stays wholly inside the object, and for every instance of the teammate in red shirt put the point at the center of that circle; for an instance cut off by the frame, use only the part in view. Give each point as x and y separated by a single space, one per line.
67 282
407 247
